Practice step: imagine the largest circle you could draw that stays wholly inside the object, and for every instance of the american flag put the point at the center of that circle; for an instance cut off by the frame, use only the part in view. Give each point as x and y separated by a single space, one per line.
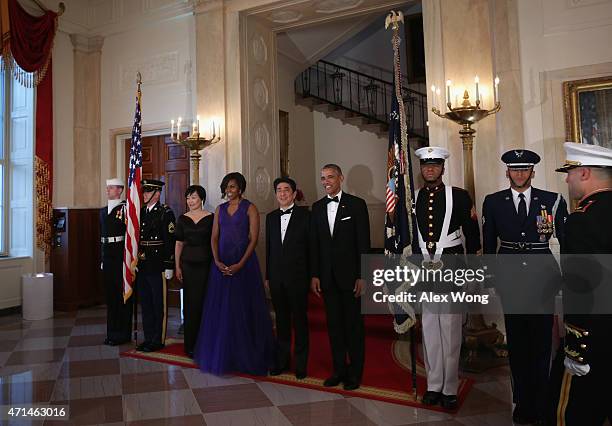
130 257
397 226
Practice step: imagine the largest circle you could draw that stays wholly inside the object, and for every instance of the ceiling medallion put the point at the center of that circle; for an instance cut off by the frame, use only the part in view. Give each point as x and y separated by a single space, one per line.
285 16
333 6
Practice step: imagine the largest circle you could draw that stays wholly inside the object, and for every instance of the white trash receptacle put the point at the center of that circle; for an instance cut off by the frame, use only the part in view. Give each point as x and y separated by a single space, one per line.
37 296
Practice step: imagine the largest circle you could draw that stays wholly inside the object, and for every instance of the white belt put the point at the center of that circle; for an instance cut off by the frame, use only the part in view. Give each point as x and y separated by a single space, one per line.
445 240
112 239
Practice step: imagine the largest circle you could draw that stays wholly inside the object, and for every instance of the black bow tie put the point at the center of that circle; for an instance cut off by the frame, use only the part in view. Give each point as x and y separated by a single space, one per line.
335 199
288 211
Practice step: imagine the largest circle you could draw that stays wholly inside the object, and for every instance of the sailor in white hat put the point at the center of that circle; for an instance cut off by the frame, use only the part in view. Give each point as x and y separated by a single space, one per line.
112 238
584 387
443 214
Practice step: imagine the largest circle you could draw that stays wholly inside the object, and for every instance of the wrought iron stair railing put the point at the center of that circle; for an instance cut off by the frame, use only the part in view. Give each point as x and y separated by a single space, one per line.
361 95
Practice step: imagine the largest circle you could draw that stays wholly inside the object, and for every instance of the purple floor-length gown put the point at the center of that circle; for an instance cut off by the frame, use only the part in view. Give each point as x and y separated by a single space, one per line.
236 329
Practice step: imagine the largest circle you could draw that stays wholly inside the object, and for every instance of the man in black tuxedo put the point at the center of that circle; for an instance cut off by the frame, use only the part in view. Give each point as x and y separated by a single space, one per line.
340 234
288 275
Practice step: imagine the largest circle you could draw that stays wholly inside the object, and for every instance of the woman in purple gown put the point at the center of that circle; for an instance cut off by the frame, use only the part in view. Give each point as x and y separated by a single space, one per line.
236 330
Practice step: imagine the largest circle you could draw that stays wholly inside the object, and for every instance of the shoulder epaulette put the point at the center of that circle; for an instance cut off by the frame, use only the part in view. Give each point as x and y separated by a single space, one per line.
582 209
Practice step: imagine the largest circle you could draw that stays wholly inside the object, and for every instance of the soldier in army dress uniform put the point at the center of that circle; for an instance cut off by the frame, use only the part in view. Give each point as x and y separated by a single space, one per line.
112 239
155 264
584 391
523 219
443 215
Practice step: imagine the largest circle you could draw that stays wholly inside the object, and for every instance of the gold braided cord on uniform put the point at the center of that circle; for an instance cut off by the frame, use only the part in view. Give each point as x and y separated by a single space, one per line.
564 398
395 41
44 209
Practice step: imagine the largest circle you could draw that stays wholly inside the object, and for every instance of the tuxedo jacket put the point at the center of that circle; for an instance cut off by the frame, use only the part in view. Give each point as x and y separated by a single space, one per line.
338 256
288 261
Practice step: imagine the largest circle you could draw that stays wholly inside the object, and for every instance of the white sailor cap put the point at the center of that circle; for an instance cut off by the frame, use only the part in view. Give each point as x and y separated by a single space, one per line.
432 154
114 182
585 155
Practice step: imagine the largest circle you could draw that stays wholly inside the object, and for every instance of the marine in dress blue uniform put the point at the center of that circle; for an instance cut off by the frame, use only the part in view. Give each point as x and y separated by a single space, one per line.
444 214
584 377
518 223
155 264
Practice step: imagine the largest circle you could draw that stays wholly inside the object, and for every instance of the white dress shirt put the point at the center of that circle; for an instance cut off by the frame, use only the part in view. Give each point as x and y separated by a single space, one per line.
284 222
332 209
111 205
517 200
149 208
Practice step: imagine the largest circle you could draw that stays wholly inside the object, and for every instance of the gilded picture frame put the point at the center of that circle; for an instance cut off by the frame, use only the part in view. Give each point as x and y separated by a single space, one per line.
588 111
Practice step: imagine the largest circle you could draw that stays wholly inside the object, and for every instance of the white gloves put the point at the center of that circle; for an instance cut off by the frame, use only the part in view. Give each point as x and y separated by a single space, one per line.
168 273
576 369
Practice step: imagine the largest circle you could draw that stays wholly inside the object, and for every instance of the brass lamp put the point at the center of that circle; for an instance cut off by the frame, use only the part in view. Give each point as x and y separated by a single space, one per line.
195 142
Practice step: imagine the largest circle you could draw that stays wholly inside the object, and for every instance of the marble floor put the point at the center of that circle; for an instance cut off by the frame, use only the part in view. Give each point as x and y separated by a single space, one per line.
61 361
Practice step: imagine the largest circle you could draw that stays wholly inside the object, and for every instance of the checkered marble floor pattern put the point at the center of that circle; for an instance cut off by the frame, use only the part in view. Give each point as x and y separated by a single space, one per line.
63 361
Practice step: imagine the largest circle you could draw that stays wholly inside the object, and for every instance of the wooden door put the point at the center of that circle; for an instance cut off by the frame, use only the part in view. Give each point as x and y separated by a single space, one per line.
167 161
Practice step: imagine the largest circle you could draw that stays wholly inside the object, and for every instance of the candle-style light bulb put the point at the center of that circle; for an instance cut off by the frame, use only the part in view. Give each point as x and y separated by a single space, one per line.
433 95
198 124
448 91
477 80
172 129
496 92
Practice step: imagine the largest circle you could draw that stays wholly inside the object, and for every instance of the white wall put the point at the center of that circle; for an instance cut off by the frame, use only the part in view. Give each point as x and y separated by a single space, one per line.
301 130
164 53
363 158
63 121
559 40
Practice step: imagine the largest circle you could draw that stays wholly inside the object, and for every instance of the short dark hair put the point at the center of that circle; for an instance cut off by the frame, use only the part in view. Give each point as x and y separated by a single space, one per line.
197 189
333 167
286 180
235 176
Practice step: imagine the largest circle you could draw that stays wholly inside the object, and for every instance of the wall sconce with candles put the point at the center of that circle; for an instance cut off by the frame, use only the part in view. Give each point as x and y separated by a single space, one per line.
465 115
195 142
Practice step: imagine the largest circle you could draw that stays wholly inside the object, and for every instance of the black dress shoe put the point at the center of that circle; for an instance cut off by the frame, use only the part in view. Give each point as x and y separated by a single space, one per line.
334 380
519 417
152 347
142 346
121 342
107 341
449 402
277 371
300 375
431 398
350 384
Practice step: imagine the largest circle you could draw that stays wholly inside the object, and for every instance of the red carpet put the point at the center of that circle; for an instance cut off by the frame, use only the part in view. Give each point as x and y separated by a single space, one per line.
385 378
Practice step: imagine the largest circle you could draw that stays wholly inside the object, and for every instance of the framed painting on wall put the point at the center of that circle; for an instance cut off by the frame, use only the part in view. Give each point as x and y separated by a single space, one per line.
588 111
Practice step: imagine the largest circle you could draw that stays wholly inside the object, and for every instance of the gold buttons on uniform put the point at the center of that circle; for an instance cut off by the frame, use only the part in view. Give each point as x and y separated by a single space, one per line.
580 359
583 346
431 225
431 234
431 208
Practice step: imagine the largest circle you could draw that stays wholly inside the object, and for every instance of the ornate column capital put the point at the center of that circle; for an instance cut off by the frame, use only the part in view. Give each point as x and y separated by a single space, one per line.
87 44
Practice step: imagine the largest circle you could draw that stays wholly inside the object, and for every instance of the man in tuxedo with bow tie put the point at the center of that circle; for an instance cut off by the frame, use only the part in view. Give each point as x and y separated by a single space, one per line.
340 234
288 275
527 284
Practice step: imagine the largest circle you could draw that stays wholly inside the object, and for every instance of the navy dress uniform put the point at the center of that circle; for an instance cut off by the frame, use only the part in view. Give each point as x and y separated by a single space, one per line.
523 219
112 240
583 385
444 214
155 256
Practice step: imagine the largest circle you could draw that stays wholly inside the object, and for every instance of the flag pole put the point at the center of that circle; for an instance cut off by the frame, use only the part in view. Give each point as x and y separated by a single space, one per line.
134 289
393 20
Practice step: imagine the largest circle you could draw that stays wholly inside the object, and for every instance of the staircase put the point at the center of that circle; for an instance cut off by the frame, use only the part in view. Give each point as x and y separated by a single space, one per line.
360 100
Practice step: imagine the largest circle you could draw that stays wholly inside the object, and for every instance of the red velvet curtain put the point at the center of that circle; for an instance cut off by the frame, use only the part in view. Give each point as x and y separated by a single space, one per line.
44 162
28 42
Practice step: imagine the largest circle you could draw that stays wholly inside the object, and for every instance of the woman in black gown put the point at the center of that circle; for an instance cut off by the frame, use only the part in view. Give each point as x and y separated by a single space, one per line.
193 257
